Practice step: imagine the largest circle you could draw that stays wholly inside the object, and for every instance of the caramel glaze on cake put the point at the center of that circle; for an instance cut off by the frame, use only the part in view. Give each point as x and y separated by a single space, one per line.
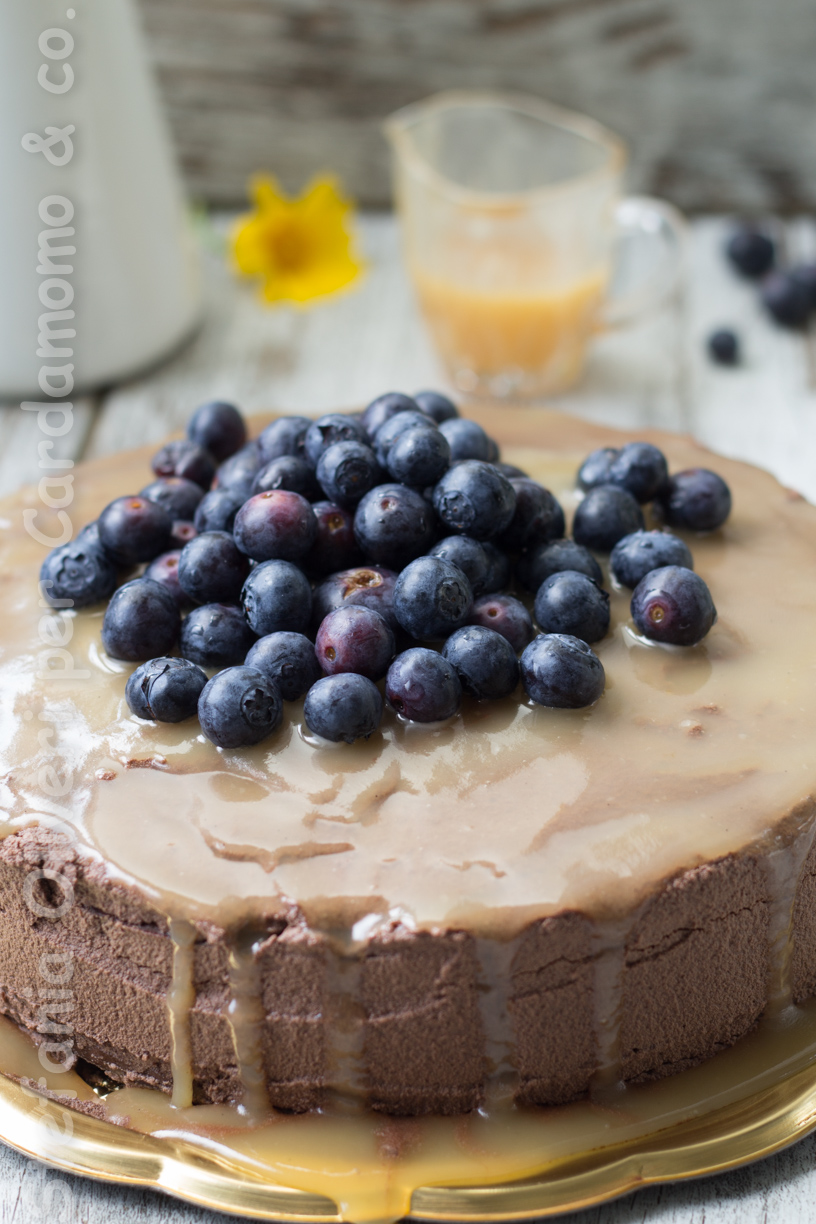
518 905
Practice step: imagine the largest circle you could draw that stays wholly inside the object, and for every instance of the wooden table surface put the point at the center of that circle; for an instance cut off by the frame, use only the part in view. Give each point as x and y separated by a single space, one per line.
343 353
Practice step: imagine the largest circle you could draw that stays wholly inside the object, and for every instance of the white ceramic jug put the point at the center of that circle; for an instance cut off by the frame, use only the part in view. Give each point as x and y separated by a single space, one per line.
99 275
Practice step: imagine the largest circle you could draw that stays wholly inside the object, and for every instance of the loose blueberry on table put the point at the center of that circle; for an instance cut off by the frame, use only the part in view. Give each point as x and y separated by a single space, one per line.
272 565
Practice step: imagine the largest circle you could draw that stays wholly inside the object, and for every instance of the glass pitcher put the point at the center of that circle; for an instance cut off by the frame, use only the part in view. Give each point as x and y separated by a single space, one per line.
517 238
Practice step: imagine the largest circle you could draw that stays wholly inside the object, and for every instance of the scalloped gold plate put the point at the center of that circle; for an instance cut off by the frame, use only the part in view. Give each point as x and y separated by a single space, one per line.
745 1129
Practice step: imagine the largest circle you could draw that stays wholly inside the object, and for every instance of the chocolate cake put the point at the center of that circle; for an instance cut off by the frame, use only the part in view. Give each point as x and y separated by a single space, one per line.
517 905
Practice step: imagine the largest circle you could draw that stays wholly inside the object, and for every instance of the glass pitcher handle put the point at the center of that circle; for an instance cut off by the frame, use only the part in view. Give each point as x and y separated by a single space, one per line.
649 263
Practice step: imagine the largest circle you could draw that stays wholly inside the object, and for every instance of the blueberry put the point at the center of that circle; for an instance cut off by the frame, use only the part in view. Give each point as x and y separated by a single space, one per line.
164 570
179 497
165 689
641 469
469 555
506 615
571 603
805 274
539 563
211 569
484 660
276 525
219 428
750 251
288 472
595 468
423 686
77 574
437 406
216 635
419 456
331 428
238 473
673 604
696 499
346 471
289 660
388 433
635 555
432 598
285 436
335 547
537 518
182 533
185 458
355 639
239 707
217 510
344 707
786 299
475 499
277 596
133 529
724 347
467 440
393 524
605 515
141 622
367 586
561 672
499 569
511 471
383 408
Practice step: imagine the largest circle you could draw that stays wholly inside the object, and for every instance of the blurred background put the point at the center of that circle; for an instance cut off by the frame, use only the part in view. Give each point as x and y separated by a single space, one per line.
716 98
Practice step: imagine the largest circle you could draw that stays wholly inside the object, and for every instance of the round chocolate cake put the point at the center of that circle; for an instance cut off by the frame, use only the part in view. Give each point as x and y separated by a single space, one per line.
518 903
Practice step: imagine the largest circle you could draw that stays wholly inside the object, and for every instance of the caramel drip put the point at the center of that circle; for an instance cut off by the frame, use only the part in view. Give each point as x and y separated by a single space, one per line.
783 865
494 985
609 969
180 1001
245 1014
345 1037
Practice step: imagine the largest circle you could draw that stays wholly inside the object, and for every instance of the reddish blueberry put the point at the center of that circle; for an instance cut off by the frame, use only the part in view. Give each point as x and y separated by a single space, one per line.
506 615
164 570
276 525
185 458
335 547
355 639
365 586
673 605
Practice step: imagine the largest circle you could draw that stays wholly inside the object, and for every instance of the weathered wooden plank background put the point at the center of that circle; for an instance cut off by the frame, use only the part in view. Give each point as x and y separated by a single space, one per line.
716 97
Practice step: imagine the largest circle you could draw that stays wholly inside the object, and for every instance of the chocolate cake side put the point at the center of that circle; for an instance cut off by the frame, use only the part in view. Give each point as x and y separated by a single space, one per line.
695 978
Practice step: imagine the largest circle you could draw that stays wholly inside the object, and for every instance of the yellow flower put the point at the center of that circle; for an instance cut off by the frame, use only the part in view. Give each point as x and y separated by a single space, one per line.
300 248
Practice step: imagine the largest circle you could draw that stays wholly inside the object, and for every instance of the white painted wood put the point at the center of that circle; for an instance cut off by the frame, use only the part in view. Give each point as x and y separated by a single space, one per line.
20 436
717 99
351 348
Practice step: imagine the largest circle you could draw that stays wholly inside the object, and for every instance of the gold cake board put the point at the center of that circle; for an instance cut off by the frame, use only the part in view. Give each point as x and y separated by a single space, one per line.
747 1130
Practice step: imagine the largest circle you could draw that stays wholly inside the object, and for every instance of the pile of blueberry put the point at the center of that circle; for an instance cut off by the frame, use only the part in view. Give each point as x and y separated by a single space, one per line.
788 294
329 556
